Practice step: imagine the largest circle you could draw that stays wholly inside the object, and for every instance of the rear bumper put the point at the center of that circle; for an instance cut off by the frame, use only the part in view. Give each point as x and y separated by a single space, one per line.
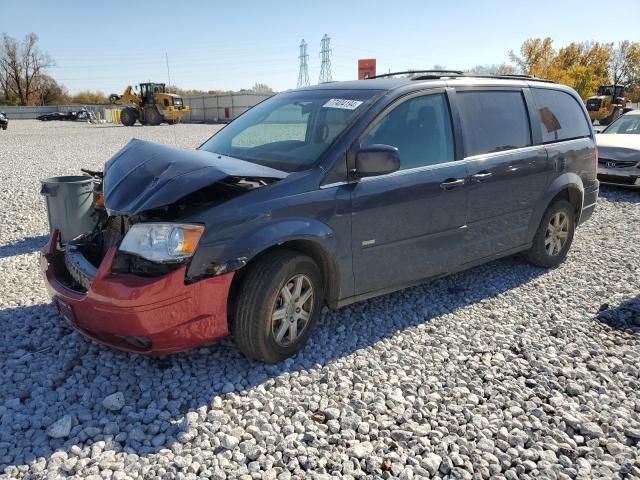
589 202
138 314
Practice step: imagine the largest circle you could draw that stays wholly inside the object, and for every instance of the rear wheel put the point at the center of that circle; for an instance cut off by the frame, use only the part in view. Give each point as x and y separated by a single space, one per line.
554 236
278 303
128 116
152 116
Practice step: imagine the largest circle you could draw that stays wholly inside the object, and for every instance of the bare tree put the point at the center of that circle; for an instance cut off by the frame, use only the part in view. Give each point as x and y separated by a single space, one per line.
493 69
49 91
21 66
262 88
624 67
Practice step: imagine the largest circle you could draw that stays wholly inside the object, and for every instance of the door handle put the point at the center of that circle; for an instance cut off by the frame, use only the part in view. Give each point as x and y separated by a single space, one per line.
481 176
452 183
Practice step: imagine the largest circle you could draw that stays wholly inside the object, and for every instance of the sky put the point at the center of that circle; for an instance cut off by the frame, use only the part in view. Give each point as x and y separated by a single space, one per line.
235 44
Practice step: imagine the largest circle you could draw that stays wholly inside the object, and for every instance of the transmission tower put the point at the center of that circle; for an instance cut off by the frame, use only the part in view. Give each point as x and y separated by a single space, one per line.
303 76
325 57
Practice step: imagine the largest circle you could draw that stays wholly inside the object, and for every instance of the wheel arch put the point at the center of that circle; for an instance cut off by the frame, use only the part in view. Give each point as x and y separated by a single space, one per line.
321 255
569 187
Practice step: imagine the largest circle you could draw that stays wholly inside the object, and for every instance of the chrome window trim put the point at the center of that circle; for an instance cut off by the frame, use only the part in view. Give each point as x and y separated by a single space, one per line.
465 160
334 184
482 156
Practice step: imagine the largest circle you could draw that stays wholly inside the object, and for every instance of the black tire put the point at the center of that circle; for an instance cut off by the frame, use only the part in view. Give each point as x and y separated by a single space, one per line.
171 122
617 113
538 254
128 116
152 116
258 297
113 98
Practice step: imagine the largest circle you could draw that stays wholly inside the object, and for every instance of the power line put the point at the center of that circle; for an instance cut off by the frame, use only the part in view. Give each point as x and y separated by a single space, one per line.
303 75
325 57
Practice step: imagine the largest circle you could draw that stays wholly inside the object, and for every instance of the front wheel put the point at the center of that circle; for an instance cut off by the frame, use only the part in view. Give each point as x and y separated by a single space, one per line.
277 305
128 116
554 236
152 116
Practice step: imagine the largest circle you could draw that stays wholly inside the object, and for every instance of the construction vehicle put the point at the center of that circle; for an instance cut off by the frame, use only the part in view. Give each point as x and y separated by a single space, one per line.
607 104
152 105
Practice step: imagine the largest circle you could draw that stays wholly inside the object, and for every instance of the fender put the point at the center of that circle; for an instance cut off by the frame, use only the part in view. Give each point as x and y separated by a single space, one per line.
264 235
279 231
562 182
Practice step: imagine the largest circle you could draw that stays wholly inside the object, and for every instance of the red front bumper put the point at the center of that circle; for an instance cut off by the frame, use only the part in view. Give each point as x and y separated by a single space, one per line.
139 314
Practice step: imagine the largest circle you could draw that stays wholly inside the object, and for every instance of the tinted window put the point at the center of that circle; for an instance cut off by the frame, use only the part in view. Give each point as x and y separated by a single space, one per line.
560 115
420 129
493 121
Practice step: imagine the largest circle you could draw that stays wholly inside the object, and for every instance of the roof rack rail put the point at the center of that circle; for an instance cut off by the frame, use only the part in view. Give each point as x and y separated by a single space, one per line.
408 72
513 76
435 74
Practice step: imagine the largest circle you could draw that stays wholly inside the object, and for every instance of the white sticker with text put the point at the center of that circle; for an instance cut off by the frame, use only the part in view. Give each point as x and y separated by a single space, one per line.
342 103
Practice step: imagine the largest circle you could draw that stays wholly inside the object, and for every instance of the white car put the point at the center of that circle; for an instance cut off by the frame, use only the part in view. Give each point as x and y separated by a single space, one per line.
619 151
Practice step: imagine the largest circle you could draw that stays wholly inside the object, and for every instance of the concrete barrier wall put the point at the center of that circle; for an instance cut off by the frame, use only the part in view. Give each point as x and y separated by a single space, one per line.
204 109
220 108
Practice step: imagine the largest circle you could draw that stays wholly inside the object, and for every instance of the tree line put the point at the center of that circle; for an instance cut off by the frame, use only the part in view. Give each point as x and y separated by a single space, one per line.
581 65
24 79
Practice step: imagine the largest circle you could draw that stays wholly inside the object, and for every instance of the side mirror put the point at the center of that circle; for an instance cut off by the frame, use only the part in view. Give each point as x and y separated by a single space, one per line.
375 160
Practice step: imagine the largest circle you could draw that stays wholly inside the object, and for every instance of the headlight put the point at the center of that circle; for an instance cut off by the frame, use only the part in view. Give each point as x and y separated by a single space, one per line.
162 242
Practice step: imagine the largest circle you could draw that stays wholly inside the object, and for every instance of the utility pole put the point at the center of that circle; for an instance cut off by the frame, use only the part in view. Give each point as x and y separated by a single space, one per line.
303 76
325 57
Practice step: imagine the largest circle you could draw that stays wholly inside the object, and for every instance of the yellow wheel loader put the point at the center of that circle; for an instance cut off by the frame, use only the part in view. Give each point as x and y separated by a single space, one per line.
607 104
152 105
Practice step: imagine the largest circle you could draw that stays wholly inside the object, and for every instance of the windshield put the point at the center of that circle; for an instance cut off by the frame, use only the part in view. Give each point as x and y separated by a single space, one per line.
628 124
290 131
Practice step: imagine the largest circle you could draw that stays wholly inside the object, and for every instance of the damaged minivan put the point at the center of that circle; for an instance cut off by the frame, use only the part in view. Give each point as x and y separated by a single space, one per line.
324 195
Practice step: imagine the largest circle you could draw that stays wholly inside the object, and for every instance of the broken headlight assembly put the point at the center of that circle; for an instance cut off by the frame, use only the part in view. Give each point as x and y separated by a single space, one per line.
162 242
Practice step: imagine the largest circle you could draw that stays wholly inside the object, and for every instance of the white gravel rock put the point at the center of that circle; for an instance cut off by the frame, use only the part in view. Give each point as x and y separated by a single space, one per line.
114 402
506 371
60 428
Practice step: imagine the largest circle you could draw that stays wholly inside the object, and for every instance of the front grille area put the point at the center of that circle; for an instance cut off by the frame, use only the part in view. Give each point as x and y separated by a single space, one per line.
607 162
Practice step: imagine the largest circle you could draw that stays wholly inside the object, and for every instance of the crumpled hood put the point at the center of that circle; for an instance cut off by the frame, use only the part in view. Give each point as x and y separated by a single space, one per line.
146 175
619 146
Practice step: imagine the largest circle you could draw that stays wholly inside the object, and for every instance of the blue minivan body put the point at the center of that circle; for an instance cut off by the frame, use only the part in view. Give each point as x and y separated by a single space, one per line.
383 233
414 178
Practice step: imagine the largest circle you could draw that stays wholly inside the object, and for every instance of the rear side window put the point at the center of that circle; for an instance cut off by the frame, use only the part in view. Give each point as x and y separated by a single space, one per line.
560 115
493 121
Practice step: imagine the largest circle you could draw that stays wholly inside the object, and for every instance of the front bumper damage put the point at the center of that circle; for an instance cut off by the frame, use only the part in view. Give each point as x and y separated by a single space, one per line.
148 315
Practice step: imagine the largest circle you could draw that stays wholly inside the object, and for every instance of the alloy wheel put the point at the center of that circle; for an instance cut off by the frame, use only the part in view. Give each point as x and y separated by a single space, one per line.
292 310
557 233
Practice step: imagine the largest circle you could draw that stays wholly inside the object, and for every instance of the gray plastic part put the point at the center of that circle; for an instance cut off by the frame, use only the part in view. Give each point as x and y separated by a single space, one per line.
69 202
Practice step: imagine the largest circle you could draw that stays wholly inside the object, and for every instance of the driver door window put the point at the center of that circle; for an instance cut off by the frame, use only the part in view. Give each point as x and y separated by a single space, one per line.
420 128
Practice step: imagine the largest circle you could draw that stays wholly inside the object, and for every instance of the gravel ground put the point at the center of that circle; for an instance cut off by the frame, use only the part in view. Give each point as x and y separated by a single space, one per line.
505 371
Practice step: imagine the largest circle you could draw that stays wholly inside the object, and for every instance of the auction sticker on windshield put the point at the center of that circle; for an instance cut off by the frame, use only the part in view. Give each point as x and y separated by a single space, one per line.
342 103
